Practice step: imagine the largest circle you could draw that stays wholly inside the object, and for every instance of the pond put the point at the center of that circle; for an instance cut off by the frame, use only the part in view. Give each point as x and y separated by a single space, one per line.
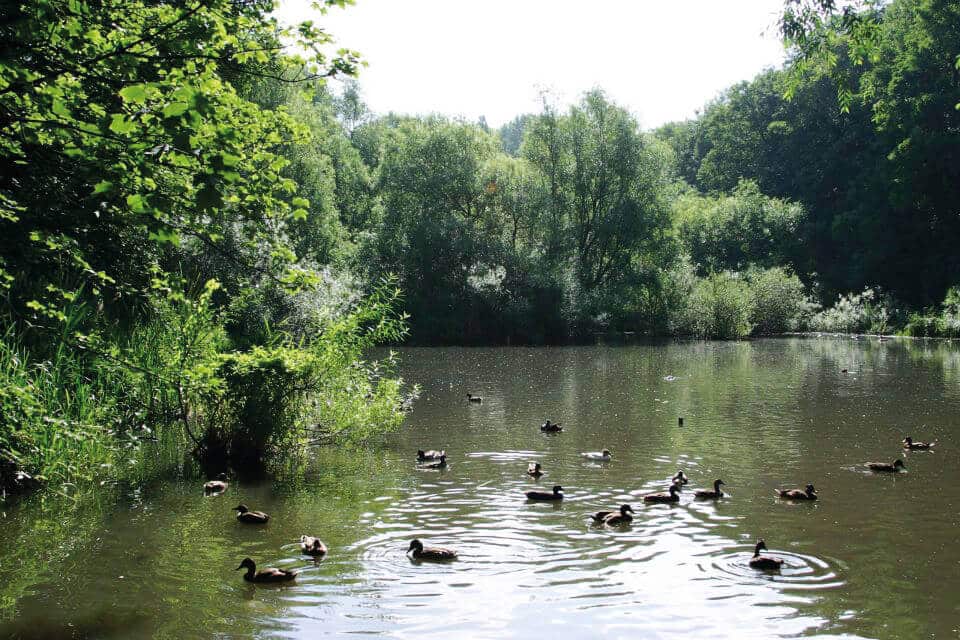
875 556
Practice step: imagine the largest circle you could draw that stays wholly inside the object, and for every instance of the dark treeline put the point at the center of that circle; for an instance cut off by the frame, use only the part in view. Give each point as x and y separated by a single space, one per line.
201 239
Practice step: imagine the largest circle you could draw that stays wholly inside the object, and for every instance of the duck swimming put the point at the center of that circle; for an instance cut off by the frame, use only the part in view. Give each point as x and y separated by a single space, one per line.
672 496
269 574
533 470
433 554
603 456
550 427
473 398
764 563
544 495
809 493
716 494
312 546
439 464
885 467
681 477
423 456
219 485
614 518
908 443
250 517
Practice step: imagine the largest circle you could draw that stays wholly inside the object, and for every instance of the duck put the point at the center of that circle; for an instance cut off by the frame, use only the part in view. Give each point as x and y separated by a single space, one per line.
680 477
439 464
312 546
250 517
219 485
556 494
908 443
533 470
433 554
809 493
665 497
885 467
764 563
432 454
270 574
603 456
710 495
473 398
614 518
550 427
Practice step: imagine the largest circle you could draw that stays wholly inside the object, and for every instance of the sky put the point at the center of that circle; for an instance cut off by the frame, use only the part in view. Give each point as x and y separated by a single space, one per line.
660 59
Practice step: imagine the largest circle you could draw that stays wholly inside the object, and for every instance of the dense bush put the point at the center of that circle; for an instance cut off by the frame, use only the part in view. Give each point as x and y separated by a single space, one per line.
778 302
719 307
865 312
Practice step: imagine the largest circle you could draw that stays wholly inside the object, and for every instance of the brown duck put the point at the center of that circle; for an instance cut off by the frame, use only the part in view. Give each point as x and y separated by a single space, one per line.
270 574
433 554
908 443
312 546
764 563
250 517
809 493
671 496
886 467
556 494
614 518
424 456
716 494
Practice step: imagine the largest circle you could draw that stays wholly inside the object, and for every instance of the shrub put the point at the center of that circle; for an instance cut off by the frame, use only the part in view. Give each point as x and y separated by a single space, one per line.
719 307
779 302
867 311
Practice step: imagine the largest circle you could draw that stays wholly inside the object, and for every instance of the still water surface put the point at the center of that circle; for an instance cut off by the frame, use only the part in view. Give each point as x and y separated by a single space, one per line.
876 556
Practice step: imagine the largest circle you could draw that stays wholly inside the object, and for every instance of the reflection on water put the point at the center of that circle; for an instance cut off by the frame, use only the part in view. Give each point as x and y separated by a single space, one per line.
874 557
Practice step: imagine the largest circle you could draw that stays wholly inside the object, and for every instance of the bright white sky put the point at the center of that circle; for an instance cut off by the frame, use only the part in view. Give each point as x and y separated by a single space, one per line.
661 59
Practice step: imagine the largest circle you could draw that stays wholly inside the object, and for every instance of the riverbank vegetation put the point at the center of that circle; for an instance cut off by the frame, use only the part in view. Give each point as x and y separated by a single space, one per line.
202 239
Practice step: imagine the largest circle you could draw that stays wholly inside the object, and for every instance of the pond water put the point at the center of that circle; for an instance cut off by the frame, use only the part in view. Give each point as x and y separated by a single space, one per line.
875 557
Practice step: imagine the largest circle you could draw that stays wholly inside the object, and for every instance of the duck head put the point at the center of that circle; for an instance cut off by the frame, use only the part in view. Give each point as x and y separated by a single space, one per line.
908 441
625 508
810 491
242 508
606 453
415 545
557 488
681 477
898 464
248 564
760 545
534 466
717 483
421 454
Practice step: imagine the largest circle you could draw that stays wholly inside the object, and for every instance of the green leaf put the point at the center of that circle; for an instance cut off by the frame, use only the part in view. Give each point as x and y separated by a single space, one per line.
102 187
136 94
300 214
175 109
136 202
120 125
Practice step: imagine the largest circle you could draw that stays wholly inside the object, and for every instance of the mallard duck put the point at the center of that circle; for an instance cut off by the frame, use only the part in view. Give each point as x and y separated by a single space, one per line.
250 517
550 427
908 443
473 398
533 469
603 456
711 495
680 477
434 554
270 574
312 546
764 563
672 496
798 494
614 517
439 464
216 486
885 467
544 495
432 454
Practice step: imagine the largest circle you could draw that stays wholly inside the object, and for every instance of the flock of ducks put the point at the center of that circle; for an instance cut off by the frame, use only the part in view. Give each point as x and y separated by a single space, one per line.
437 460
